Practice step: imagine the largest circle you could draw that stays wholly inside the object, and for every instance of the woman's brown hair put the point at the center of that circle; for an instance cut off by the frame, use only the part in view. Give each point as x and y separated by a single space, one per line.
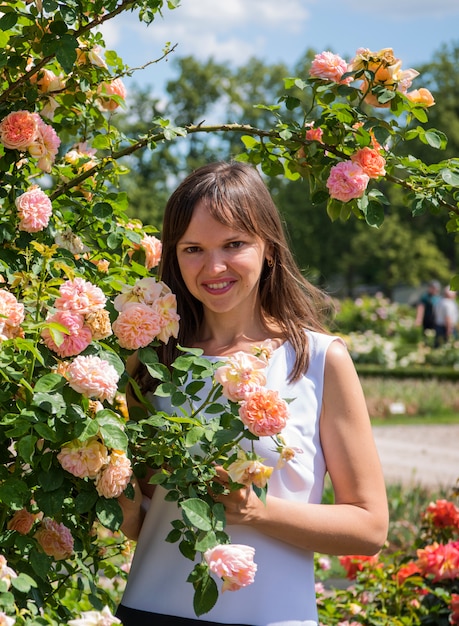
236 196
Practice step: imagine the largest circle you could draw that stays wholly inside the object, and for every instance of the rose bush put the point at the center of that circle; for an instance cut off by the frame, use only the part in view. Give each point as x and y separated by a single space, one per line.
76 294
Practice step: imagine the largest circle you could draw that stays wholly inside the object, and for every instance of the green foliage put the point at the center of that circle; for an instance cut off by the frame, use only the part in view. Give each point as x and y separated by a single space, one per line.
67 161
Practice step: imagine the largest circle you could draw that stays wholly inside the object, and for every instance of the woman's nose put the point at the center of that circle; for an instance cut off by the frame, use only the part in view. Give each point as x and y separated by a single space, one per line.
215 262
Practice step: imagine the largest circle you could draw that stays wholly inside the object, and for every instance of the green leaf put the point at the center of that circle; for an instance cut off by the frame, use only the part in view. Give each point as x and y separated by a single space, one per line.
205 595
101 142
374 214
198 513
49 382
85 501
109 513
50 481
206 541
114 437
14 493
23 583
450 177
66 52
433 139
26 447
8 20
41 563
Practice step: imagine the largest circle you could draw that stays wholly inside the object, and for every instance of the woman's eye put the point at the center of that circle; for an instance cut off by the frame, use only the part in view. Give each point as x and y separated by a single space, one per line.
191 249
235 244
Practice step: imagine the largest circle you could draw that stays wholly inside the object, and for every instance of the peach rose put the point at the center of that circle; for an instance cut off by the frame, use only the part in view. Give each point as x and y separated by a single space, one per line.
98 323
93 377
152 247
55 539
83 459
114 88
11 315
421 96
22 522
136 326
6 573
371 161
18 130
241 376
264 413
114 477
247 471
233 563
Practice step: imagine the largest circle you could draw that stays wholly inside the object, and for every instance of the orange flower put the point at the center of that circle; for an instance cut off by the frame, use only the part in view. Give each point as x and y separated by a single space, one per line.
22 522
264 412
370 161
421 96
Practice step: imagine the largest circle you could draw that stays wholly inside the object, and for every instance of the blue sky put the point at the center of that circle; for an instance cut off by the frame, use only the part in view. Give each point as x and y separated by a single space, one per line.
233 31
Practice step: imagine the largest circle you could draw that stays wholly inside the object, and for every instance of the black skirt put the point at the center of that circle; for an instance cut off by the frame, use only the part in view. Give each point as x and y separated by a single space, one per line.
134 617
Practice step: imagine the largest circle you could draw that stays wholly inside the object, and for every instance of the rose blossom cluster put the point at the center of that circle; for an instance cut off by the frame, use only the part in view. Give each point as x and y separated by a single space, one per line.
147 311
261 410
443 514
22 130
233 563
385 69
349 179
79 310
11 315
91 459
439 561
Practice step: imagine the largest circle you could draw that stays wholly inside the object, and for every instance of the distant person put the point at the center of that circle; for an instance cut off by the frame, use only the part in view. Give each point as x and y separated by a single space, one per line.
446 317
425 315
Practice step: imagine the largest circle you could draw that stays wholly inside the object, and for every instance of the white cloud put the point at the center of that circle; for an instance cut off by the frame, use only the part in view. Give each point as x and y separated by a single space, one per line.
225 30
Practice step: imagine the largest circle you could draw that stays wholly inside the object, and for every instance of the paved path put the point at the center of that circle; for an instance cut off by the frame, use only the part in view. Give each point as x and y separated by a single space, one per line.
419 455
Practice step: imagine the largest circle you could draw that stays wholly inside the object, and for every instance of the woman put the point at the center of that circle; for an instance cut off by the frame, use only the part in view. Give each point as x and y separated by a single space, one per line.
226 258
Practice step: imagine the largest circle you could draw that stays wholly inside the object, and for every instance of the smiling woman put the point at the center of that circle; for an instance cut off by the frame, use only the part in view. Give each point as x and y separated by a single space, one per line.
240 294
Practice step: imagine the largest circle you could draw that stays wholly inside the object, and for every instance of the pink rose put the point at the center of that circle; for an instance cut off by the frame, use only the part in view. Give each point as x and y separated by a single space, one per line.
113 88
11 315
93 377
55 539
264 412
347 180
145 291
6 572
329 66
241 376
22 522
84 459
34 210
152 248
314 134
78 338
114 477
232 563
441 561
80 296
45 146
136 326
18 130
372 163
95 618
166 308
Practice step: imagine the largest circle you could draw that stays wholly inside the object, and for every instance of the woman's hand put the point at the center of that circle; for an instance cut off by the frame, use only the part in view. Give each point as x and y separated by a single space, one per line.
242 505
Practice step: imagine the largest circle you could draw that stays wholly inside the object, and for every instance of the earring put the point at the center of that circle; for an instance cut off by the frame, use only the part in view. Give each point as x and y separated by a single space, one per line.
270 262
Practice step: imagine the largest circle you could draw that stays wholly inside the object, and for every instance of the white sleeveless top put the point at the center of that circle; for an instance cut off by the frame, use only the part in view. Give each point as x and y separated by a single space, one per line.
283 592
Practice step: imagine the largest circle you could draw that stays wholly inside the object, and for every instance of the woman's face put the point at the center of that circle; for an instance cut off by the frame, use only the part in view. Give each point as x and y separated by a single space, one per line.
220 265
